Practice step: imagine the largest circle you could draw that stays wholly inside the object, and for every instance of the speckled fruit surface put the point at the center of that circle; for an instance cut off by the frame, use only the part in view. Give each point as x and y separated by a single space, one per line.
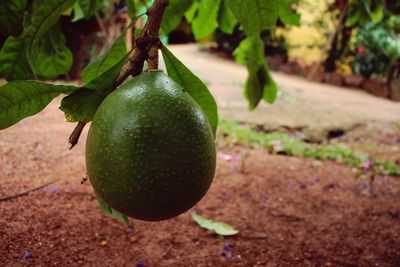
150 152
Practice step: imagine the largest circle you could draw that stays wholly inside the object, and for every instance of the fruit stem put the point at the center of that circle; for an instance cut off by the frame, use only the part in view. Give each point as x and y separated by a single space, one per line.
146 48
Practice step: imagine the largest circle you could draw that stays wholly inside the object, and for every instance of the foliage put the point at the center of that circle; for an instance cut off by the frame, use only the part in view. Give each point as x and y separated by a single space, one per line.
361 12
281 143
377 46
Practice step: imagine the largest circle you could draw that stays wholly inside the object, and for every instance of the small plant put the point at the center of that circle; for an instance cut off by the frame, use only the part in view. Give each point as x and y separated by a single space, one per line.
377 47
280 143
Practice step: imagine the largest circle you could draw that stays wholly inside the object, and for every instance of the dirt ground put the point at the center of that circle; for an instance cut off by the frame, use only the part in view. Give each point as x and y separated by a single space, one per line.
289 211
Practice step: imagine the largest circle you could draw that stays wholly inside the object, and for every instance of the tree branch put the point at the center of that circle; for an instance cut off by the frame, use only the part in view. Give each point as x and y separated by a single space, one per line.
146 48
26 192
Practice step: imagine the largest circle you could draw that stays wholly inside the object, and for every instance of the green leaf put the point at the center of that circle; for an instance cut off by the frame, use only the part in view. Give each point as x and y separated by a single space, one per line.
111 212
190 14
259 84
90 7
136 7
82 104
13 62
78 12
270 87
193 85
286 13
205 22
353 15
44 14
11 16
131 8
21 99
173 14
377 9
226 19
220 228
53 57
255 15
105 61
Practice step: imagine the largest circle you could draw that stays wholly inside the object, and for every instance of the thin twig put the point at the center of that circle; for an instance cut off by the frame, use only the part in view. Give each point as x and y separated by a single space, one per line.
26 192
146 48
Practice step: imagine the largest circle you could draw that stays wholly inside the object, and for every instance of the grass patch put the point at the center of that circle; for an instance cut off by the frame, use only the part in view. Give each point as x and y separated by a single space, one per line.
281 143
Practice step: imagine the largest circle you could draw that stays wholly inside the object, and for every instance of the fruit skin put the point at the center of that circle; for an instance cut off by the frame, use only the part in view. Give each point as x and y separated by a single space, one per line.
150 151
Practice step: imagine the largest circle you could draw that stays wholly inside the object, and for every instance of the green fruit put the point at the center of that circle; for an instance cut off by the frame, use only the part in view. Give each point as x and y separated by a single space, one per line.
150 151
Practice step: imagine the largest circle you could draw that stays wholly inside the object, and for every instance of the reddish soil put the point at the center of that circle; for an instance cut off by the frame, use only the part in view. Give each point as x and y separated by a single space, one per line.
290 211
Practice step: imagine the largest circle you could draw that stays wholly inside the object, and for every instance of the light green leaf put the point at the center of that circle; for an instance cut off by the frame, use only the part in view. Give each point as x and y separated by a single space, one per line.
111 212
105 61
173 14
255 15
205 22
82 104
11 16
220 228
377 9
21 99
287 14
190 14
353 15
13 62
193 85
53 57
78 12
259 84
226 19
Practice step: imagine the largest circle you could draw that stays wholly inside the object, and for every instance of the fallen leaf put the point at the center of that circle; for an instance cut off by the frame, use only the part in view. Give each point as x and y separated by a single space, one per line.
220 228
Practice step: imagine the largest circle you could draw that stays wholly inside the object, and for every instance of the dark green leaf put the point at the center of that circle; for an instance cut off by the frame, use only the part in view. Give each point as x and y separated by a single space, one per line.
259 83
220 228
193 85
90 7
270 87
205 22
226 19
105 61
377 9
131 8
111 57
82 104
255 15
287 14
353 15
53 57
13 62
11 16
173 14
111 212
21 99
44 14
